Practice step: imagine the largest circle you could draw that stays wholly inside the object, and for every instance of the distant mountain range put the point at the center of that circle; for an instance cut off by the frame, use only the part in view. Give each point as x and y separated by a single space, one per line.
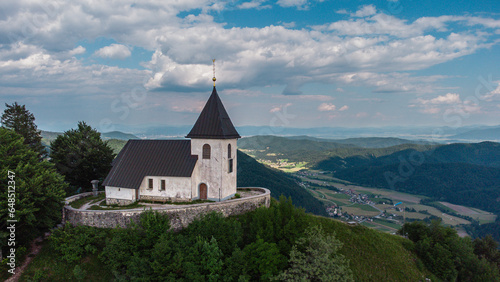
443 134
492 134
49 135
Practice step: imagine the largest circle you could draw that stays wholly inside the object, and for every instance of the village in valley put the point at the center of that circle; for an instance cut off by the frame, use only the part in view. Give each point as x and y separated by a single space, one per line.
382 209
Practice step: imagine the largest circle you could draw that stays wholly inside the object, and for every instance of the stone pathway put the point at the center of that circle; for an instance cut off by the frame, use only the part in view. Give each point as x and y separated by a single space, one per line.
89 204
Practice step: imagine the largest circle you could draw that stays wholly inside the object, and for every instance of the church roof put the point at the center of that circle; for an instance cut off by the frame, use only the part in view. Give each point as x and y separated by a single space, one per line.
140 158
214 122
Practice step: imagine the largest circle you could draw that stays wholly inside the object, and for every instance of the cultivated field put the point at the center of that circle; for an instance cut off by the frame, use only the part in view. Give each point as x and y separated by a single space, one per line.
384 200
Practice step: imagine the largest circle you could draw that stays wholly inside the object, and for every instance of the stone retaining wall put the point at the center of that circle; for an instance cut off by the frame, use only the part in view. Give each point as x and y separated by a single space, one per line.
180 216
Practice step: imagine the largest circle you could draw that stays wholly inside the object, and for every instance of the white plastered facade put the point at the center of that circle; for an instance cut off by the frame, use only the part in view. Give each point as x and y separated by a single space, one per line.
214 172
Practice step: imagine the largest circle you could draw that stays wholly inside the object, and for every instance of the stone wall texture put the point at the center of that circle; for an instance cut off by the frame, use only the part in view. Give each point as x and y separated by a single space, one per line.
180 216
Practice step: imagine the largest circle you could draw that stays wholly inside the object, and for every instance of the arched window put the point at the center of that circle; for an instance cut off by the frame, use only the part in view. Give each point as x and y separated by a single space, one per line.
228 151
206 151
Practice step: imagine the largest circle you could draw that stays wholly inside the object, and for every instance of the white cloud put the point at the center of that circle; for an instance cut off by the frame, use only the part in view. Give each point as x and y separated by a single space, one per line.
449 101
361 114
492 95
293 3
378 51
255 4
326 107
431 111
114 51
279 108
77 51
344 108
449 98
365 11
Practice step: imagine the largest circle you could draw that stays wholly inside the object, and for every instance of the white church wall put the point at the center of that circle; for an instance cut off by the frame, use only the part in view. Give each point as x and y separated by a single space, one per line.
176 188
215 171
195 181
119 196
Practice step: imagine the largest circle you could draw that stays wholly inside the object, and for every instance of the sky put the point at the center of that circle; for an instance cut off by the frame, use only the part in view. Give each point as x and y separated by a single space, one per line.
293 63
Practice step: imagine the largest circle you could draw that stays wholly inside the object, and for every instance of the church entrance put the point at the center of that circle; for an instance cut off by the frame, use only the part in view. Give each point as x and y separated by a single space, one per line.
203 191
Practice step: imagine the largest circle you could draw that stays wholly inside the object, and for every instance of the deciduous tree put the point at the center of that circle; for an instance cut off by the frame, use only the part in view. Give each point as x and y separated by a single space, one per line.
315 257
81 155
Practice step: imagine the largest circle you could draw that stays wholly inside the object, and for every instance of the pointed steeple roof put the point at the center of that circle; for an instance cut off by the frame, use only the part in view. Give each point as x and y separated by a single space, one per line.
213 122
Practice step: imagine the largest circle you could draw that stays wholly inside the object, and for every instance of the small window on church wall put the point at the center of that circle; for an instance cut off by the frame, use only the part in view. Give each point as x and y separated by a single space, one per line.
150 183
162 186
206 151
228 151
230 166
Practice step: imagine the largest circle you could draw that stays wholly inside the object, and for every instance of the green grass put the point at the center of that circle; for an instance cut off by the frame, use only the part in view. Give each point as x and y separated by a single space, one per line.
365 207
381 200
47 266
443 207
376 256
338 195
387 223
116 207
80 202
368 224
198 201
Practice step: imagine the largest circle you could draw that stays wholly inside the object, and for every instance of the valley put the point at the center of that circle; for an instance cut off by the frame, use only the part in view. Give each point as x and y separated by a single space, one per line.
375 208
361 180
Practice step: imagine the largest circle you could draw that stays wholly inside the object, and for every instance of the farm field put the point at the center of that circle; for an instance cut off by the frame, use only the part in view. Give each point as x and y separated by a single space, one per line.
384 200
479 215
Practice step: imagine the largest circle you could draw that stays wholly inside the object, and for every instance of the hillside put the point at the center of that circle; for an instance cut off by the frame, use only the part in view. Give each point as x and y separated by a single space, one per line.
313 150
49 136
252 173
293 143
465 174
250 247
117 135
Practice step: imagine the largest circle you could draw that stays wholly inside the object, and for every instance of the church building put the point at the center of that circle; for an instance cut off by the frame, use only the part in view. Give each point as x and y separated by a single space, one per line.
201 167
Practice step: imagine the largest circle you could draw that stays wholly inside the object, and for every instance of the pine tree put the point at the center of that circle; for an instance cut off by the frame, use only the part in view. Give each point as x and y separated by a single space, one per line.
16 117
81 156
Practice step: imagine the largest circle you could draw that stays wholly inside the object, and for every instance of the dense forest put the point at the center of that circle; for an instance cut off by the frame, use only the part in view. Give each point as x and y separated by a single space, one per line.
254 174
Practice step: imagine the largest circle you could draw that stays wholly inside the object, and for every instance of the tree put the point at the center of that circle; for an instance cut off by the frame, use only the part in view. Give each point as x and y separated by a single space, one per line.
16 117
450 257
487 248
81 155
315 258
35 186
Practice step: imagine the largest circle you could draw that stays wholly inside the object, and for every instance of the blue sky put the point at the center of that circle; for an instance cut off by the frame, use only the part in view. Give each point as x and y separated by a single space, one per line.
294 63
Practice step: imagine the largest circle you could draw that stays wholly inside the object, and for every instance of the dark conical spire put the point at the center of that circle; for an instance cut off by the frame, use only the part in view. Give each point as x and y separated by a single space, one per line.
213 122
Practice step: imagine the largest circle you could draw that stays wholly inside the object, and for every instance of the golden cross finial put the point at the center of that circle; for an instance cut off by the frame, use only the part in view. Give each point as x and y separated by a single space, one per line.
213 62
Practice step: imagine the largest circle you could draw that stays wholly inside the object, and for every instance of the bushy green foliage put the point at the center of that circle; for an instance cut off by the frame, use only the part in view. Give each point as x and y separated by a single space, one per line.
73 243
81 156
315 257
256 246
447 255
38 193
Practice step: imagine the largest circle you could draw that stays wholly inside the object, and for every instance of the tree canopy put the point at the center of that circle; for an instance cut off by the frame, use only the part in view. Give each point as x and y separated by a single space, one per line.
16 117
81 156
453 258
37 188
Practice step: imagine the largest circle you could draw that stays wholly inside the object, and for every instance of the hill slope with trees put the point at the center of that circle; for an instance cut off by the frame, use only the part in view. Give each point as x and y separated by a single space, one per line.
279 242
254 174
